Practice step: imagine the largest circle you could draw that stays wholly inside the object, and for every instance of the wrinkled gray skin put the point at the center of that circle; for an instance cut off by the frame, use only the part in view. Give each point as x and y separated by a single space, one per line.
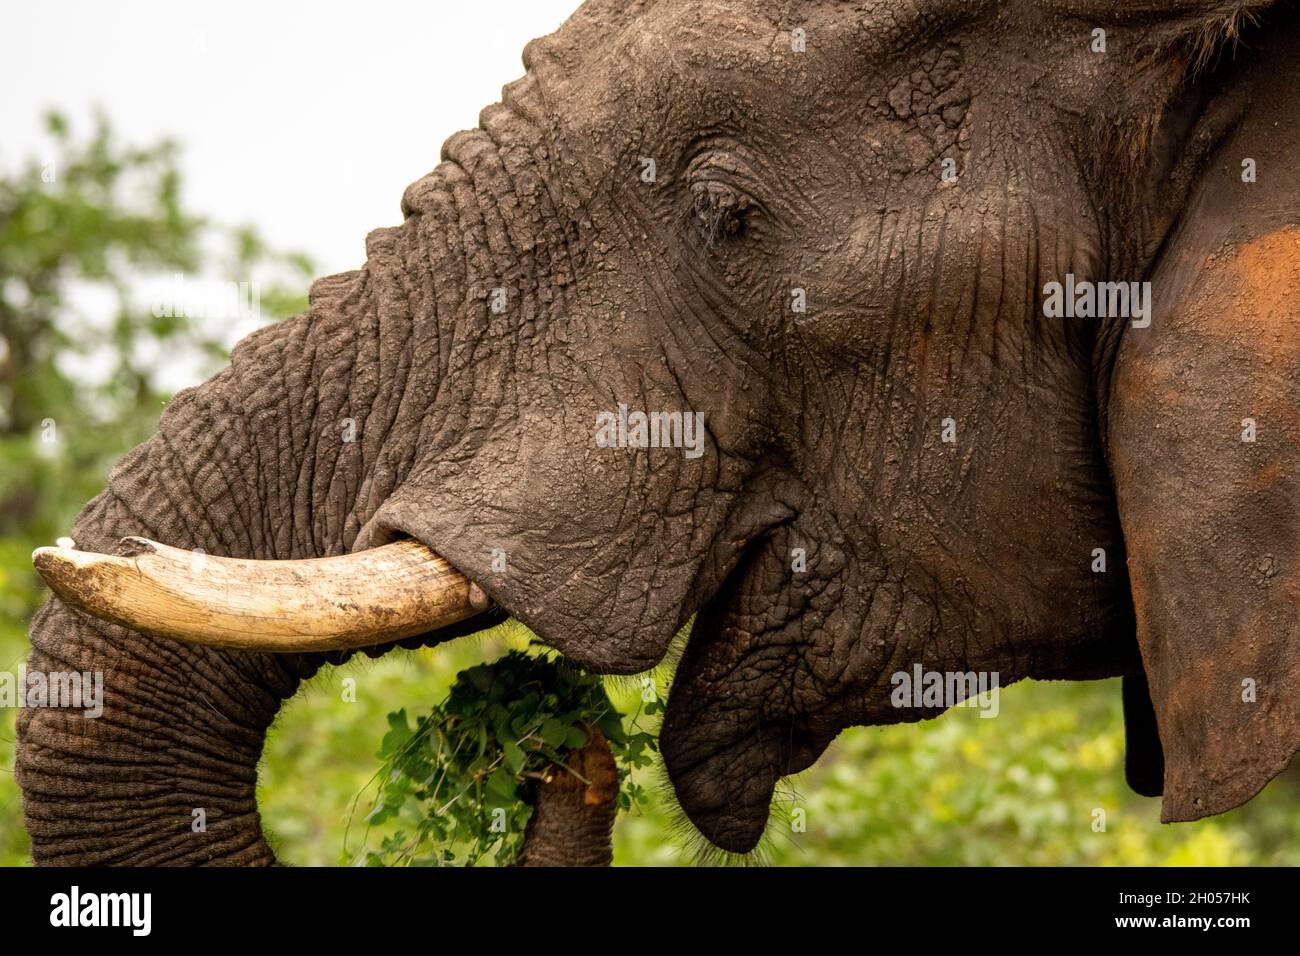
775 170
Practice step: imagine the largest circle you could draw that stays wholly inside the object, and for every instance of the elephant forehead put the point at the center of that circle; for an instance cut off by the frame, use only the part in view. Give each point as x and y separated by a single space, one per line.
678 44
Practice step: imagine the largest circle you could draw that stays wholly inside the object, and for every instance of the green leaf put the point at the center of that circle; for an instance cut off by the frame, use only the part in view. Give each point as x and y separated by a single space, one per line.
399 733
514 756
502 784
611 725
554 733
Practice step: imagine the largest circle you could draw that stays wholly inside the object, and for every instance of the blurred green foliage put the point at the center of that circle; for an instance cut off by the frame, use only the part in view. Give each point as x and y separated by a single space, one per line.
82 228
1023 788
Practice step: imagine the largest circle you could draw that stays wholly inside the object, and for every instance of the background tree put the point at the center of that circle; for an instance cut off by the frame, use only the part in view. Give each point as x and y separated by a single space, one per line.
82 353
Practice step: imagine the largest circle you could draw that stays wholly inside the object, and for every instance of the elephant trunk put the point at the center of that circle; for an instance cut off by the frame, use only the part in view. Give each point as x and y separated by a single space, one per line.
286 455
574 809
165 773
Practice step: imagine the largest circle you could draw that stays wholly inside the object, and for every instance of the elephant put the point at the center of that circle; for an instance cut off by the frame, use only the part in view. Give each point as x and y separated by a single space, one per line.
870 336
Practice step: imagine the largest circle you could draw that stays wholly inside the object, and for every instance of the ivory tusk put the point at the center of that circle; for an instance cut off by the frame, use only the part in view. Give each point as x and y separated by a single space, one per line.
355 600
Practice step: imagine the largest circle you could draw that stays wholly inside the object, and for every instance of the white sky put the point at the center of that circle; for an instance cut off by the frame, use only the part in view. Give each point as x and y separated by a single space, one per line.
306 119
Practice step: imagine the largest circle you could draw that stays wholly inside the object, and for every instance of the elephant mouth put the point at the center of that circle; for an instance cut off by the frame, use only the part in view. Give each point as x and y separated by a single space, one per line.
724 742
388 593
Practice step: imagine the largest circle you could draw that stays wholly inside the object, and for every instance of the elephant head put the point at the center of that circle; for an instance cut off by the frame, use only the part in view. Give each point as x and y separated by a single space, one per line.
740 310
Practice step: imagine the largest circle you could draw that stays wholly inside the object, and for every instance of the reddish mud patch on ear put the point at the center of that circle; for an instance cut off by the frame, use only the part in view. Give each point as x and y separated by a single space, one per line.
1264 274
1268 475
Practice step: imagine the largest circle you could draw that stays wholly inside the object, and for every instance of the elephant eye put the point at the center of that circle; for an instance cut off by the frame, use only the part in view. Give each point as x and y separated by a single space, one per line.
720 211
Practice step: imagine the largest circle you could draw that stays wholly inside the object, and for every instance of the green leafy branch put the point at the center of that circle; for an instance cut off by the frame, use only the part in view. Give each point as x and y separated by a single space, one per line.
461 779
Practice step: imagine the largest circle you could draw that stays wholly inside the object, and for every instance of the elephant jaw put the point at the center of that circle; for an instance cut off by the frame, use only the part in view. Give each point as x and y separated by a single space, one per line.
383 594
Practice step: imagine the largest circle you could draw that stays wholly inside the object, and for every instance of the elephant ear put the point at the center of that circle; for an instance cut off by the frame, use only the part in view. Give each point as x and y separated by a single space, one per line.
1204 438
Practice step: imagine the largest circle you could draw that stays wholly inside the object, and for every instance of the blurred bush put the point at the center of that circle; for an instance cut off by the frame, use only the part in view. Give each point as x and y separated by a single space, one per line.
1023 788
82 354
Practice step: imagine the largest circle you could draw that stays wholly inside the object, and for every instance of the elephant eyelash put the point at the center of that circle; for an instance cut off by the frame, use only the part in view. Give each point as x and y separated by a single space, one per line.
720 211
